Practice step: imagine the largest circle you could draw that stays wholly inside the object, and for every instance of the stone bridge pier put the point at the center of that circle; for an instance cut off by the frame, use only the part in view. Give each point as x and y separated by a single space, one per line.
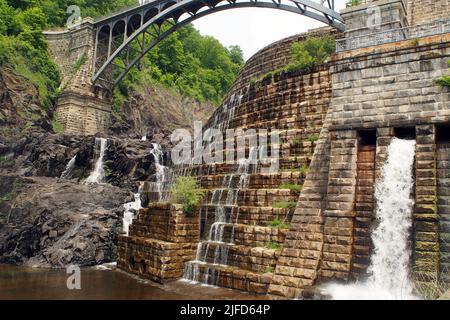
82 108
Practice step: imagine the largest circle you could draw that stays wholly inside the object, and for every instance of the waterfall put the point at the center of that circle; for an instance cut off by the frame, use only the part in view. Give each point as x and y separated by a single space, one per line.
389 269
161 177
231 184
69 168
213 252
130 209
161 170
98 173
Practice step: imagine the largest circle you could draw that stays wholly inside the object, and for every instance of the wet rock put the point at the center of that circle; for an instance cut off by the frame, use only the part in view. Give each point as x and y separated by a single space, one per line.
55 223
127 161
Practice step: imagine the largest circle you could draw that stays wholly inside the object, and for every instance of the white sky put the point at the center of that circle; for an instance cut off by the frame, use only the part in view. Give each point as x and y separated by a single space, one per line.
254 28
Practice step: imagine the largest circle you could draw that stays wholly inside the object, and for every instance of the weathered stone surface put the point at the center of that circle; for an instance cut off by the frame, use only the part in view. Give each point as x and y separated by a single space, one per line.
54 224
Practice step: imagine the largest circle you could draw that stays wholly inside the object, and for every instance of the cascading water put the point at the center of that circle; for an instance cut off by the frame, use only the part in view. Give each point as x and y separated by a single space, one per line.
161 177
69 168
130 210
223 212
216 245
98 173
389 267
161 171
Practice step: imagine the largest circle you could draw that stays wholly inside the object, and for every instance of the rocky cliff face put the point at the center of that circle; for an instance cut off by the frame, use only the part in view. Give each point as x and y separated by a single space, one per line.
48 221
20 109
156 112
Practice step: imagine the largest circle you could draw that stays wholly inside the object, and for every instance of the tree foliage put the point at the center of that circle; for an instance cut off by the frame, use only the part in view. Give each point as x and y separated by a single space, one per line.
195 65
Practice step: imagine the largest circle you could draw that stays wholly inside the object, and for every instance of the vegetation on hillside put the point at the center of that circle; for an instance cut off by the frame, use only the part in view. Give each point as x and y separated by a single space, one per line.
312 52
23 48
192 64
22 45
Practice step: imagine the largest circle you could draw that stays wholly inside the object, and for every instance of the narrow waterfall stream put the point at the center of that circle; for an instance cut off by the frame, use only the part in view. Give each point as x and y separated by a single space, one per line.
224 209
130 210
161 171
69 168
98 174
389 269
161 177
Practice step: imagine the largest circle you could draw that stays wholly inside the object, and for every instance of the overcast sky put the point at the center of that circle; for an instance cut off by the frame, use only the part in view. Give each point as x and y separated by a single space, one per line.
254 28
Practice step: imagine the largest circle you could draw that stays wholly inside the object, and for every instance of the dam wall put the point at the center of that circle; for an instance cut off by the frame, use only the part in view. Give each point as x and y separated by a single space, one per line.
335 123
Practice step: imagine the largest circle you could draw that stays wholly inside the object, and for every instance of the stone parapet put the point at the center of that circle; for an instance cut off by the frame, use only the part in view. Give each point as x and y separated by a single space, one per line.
391 85
362 19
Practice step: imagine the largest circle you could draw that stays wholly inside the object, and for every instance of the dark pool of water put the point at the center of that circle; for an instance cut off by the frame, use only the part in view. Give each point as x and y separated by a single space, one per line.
18 283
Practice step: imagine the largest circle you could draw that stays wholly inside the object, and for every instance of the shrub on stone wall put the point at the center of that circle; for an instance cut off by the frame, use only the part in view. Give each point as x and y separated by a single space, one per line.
311 52
187 192
445 80
305 55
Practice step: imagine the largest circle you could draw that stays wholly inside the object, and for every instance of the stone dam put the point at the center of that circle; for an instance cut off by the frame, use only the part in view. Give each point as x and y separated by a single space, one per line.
336 124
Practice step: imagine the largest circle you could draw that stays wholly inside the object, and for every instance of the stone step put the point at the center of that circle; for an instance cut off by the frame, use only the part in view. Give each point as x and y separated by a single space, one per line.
254 197
255 259
253 215
291 163
243 234
264 112
287 163
255 180
228 277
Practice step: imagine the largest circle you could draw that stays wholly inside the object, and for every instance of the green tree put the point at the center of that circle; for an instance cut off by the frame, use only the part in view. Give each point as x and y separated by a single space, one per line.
186 61
236 55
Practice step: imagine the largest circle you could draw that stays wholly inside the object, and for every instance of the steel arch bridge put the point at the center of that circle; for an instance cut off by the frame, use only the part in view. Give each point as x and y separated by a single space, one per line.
132 33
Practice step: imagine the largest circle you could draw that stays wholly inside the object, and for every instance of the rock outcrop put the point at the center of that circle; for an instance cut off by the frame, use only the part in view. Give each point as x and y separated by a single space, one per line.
154 111
21 111
46 222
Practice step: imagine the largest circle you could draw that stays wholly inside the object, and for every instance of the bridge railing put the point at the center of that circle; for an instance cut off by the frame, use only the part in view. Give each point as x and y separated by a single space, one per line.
394 35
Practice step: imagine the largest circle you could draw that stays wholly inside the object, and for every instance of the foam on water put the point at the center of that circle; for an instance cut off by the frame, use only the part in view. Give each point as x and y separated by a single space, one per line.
389 270
69 168
129 213
98 173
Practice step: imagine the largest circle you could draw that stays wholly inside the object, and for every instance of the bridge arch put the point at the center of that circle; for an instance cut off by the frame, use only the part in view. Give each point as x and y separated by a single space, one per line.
147 20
